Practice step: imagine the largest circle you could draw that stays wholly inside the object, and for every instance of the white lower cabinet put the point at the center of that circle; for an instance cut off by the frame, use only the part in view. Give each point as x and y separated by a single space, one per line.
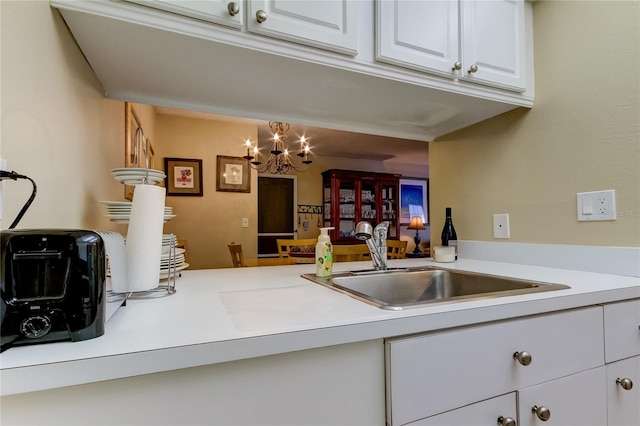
579 399
622 354
623 392
437 372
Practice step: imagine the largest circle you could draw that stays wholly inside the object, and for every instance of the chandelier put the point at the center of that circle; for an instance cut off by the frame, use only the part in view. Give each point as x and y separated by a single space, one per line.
279 160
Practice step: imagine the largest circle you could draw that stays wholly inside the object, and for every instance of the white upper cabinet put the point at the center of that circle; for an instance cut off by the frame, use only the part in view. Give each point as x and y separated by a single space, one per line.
421 35
327 24
221 12
477 41
321 59
492 37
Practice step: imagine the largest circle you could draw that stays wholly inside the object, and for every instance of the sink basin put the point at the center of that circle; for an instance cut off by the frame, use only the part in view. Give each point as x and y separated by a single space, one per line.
398 289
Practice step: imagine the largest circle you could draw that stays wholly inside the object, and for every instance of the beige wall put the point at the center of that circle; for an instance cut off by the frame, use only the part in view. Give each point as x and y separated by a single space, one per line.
57 127
212 221
581 135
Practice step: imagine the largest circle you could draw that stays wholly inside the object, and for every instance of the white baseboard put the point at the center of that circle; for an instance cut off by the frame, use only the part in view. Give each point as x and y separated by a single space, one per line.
601 259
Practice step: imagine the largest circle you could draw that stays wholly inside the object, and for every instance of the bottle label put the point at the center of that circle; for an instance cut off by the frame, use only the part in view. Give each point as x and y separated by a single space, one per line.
454 243
324 259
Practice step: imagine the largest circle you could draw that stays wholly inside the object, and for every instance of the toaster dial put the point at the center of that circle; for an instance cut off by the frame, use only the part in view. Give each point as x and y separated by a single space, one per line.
35 326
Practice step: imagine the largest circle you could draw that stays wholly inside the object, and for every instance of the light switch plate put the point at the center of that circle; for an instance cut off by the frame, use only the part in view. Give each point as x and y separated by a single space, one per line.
597 205
501 226
245 222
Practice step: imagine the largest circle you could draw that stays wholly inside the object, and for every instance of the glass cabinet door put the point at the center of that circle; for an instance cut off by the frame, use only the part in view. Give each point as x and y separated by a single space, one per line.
368 202
389 206
326 201
347 204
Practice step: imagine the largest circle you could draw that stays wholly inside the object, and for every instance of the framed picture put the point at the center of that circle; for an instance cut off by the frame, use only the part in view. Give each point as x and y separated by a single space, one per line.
414 200
184 176
233 174
137 147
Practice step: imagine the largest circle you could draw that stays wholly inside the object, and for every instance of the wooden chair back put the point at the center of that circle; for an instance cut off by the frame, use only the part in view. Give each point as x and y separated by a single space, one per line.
285 246
350 252
236 255
396 249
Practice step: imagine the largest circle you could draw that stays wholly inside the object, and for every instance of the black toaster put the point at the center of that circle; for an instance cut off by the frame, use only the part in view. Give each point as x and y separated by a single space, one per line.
52 284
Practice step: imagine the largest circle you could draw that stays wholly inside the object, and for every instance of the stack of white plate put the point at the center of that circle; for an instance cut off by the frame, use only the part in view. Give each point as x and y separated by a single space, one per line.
120 211
137 175
167 264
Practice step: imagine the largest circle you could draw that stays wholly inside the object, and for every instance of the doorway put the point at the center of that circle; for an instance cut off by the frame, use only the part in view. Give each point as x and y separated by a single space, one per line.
277 202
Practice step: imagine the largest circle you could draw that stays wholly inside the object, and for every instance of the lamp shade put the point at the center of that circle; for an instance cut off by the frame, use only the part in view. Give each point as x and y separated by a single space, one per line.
416 223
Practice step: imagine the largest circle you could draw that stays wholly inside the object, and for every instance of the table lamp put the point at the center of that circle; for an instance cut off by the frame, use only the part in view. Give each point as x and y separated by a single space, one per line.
416 223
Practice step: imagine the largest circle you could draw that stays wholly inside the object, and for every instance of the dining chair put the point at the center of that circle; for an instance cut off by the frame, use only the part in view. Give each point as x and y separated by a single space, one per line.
396 249
350 252
236 255
305 245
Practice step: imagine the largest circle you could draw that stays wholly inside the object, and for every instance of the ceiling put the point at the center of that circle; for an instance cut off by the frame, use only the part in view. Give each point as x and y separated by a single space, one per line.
328 142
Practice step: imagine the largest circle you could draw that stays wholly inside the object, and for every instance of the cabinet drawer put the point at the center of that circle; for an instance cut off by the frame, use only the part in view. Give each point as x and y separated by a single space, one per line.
624 404
481 413
579 399
622 330
433 373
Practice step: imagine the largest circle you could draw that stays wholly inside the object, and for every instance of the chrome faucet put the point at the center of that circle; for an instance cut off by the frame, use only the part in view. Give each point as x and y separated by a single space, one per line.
376 240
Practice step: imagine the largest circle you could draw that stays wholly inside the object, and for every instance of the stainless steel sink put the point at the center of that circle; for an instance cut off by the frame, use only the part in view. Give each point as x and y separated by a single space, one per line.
398 289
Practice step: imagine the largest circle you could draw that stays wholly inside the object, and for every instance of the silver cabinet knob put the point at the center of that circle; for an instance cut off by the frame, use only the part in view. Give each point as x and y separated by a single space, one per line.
523 358
261 16
233 8
543 413
473 68
625 384
457 66
506 421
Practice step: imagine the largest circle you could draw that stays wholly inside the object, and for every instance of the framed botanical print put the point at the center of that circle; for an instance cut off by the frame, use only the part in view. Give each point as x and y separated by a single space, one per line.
184 176
232 174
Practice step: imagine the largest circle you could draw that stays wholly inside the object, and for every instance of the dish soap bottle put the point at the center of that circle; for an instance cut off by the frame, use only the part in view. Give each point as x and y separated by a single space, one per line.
449 236
324 254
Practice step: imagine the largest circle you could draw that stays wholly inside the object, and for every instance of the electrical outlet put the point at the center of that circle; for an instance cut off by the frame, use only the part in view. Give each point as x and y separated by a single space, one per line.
597 205
501 226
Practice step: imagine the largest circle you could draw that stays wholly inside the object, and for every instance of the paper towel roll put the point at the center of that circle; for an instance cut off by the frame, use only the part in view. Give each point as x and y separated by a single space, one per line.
144 238
115 251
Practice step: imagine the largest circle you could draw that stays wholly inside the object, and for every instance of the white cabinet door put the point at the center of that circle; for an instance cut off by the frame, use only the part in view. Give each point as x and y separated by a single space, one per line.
433 373
222 12
493 43
580 399
421 35
621 330
624 404
327 24
482 413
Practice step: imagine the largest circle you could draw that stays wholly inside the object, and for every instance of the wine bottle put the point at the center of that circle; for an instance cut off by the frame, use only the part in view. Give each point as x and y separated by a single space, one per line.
449 236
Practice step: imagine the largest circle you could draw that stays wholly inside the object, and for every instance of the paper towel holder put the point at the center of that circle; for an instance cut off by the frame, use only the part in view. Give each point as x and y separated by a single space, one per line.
163 289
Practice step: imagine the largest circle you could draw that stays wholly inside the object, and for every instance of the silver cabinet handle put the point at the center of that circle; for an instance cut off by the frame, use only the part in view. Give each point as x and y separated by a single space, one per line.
506 421
473 68
523 358
543 413
625 384
233 8
457 66
261 16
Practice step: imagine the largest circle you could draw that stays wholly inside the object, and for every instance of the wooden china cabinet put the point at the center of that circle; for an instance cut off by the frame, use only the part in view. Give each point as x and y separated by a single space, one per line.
351 196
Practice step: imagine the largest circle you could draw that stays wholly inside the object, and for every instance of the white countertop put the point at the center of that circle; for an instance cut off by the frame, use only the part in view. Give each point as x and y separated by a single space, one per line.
229 314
